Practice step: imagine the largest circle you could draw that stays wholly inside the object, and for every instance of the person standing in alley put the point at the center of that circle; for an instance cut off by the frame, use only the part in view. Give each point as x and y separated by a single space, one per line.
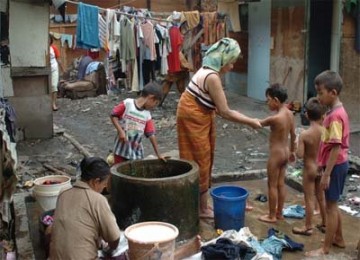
55 63
307 148
195 118
332 157
282 125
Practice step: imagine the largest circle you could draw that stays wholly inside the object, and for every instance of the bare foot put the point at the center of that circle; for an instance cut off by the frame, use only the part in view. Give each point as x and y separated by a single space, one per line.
316 212
267 219
315 253
248 207
337 243
208 213
280 217
188 249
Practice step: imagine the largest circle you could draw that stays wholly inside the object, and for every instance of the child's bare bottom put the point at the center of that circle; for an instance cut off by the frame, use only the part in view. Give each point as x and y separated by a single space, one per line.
309 177
276 168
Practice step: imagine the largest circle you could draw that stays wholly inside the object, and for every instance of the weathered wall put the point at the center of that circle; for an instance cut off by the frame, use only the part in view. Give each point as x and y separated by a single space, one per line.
29 45
350 70
29 50
288 46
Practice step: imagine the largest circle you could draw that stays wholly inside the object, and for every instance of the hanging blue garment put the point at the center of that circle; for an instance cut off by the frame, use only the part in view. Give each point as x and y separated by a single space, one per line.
87 30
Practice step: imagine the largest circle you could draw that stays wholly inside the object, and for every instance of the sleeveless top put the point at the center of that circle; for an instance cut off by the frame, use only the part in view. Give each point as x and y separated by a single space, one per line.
197 87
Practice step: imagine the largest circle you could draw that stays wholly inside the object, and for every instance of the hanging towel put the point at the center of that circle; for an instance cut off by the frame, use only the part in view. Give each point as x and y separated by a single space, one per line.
87 30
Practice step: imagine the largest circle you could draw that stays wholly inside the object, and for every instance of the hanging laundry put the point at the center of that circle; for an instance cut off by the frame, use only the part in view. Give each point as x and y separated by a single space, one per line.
127 39
164 49
209 25
231 8
114 35
87 30
66 38
149 40
94 53
189 20
176 40
148 65
102 32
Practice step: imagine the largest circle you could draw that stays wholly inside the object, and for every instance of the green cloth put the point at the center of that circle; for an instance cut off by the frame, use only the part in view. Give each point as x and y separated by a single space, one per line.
221 53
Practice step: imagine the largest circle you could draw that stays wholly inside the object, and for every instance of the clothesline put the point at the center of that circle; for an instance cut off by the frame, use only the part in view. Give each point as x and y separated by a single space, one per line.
124 13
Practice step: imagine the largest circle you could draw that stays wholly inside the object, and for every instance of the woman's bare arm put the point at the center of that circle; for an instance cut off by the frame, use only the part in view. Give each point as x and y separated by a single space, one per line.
217 94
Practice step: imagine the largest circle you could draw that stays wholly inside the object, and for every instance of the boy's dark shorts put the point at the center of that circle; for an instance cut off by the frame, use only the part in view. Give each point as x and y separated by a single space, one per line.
337 181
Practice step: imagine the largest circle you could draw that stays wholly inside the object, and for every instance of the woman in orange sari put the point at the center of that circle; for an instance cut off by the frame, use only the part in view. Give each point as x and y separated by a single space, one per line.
196 113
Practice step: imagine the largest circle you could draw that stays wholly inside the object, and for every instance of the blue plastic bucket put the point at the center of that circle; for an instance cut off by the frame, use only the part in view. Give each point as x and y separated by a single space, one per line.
229 207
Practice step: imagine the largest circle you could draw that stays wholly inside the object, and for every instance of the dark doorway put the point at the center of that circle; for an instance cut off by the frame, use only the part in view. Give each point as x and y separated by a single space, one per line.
319 41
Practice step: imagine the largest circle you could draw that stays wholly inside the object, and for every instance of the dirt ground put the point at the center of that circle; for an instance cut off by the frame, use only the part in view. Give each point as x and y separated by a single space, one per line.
238 147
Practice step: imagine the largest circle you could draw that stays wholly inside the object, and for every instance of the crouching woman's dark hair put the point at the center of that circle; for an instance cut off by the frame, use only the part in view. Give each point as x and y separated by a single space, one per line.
93 168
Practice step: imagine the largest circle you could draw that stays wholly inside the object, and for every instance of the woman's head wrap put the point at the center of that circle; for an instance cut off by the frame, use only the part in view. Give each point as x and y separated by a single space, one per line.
221 53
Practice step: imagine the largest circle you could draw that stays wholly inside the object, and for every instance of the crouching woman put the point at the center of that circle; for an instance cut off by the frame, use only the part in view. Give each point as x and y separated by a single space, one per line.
83 216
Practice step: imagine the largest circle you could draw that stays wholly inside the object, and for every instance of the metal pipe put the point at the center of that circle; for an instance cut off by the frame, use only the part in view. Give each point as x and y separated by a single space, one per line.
336 35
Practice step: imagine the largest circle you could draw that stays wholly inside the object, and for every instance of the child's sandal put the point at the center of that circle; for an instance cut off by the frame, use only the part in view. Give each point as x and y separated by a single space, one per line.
321 228
304 232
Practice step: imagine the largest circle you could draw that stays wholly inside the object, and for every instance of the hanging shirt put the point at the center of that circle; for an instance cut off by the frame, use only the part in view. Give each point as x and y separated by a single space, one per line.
176 40
136 123
127 40
149 40
103 32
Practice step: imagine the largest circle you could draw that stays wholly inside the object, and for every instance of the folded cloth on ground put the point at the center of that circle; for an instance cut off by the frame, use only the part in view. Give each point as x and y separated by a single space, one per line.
277 241
225 249
294 211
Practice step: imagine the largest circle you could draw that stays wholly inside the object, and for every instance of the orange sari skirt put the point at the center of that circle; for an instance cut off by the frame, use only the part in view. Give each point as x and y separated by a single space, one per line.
196 136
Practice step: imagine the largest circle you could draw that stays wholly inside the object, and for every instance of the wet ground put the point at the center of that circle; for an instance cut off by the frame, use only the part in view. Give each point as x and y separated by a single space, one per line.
238 149
293 197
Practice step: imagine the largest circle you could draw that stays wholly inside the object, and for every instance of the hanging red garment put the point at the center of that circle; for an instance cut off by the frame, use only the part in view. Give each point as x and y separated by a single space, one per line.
94 54
176 40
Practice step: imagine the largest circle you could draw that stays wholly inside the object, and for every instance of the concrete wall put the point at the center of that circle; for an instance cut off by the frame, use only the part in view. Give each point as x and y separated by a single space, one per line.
29 52
350 70
259 49
28 34
236 82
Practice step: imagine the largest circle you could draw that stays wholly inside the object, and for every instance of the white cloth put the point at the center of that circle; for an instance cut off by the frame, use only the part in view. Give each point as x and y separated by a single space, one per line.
53 62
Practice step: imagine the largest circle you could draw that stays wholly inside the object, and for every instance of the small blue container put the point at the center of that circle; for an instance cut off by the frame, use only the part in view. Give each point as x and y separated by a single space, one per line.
229 207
